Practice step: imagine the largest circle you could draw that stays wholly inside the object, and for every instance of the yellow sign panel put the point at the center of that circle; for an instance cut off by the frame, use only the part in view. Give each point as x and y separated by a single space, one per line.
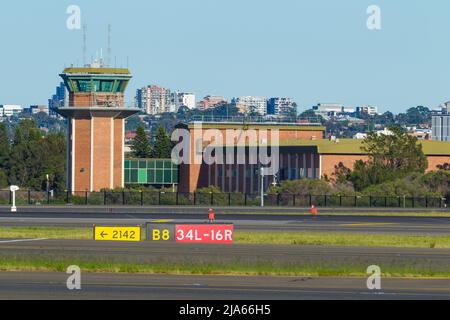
117 234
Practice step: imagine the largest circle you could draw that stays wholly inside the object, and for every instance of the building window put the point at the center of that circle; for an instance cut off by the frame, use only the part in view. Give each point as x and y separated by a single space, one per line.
106 86
83 85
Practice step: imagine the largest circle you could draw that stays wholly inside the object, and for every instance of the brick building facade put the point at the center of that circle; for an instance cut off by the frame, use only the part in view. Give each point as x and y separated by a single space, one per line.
303 153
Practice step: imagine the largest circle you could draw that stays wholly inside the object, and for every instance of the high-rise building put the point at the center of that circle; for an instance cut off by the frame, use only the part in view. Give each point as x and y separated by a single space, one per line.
211 102
441 127
184 99
10 110
332 109
369 110
39 109
154 100
251 104
280 107
59 99
96 116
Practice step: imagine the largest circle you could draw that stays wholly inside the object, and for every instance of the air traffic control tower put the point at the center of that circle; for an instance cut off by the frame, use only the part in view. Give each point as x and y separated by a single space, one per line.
96 127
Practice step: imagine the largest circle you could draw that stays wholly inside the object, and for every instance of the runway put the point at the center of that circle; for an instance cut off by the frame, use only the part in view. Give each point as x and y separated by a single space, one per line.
52 286
161 287
243 222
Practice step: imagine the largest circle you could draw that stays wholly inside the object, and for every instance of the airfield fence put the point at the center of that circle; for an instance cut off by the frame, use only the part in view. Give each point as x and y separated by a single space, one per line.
151 198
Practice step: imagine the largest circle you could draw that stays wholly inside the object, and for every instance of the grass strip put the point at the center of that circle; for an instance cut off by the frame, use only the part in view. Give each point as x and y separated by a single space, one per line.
262 238
343 239
48 233
231 269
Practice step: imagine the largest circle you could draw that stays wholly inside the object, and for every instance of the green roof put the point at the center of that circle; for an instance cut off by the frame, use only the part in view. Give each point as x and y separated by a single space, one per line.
353 146
97 71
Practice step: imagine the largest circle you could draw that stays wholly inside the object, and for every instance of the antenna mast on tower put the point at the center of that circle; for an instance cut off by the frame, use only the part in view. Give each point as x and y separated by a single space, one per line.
108 59
84 44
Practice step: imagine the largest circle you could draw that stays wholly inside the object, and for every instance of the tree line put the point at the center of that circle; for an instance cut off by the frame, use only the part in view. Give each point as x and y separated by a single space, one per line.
28 156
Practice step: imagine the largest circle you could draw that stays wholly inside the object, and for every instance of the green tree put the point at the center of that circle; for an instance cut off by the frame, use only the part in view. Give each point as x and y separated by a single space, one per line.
415 116
26 155
391 157
133 123
5 147
54 156
163 145
303 187
341 173
438 181
308 114
3 179
410 186
141 147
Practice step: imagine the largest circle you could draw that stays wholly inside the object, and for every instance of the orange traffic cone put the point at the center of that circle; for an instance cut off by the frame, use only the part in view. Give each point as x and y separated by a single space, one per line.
314 211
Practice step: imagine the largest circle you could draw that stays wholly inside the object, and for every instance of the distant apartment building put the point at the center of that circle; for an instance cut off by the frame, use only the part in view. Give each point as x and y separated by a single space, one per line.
154 100
211 102
281 107
184 99
441 127
39 109
446 108
10 110
251 104
332 109
369 110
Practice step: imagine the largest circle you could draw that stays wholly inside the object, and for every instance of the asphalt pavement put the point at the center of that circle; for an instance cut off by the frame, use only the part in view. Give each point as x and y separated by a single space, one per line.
251 256
129 286
52 286
245 222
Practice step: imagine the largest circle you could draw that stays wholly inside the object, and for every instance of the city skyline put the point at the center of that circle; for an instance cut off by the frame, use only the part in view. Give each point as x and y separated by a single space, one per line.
312 52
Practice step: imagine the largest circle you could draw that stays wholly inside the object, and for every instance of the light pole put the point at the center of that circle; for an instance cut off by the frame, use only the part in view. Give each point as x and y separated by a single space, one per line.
13 190
48 183
262 187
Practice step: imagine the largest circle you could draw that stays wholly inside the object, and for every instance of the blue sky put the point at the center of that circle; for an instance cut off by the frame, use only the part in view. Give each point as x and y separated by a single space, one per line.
313 51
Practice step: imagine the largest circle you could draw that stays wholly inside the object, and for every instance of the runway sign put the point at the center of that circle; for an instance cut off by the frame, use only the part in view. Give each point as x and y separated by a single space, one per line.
191 233
131 234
